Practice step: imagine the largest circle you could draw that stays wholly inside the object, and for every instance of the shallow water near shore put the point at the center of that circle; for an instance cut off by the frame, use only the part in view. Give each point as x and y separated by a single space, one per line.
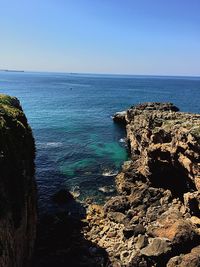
78 145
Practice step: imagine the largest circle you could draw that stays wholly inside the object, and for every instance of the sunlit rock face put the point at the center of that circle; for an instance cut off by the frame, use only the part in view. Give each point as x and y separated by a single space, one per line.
166 145
17 186
155 218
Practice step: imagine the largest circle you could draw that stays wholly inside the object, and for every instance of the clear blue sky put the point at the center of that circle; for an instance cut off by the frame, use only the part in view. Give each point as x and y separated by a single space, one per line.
101 36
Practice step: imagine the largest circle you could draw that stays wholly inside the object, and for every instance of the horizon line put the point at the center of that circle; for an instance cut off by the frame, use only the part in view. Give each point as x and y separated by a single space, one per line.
98 73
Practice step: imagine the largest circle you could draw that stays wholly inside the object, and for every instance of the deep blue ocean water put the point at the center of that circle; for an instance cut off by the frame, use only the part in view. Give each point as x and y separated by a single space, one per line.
70 114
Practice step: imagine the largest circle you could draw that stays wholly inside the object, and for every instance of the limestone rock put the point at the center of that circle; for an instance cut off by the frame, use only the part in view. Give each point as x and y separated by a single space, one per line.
172 226
156 214
191 259
141 242
192 202
158 247
116 204
117 217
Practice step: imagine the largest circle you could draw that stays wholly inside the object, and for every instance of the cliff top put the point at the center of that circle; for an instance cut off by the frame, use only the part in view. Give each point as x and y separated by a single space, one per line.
10 108
156 106
165 115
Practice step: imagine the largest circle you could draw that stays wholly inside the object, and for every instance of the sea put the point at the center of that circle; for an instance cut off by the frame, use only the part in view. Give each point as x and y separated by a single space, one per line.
78 146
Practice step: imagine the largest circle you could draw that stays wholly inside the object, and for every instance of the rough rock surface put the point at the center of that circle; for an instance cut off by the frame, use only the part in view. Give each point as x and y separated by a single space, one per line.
17 186
155 218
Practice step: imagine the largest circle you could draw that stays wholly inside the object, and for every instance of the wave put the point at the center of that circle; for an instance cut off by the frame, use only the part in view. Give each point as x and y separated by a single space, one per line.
122 140
106 189
107 172
49 144
75 191
54 144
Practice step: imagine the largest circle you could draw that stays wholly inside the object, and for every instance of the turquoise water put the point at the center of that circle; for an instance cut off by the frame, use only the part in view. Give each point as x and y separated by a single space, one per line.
70 114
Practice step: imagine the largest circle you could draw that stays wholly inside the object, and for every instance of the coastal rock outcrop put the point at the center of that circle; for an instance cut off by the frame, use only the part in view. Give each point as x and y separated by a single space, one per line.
155 218
17 186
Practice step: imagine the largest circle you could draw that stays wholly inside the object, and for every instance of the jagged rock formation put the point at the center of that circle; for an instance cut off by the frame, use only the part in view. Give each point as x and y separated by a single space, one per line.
155 219
17 186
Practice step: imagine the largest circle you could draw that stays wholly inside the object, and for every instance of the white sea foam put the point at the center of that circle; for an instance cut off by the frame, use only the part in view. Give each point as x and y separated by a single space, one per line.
54 144
75 191
107 172
122 140
48 144
106 189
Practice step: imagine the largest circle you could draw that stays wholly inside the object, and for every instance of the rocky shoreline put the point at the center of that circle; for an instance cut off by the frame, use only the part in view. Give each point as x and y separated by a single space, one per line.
155 218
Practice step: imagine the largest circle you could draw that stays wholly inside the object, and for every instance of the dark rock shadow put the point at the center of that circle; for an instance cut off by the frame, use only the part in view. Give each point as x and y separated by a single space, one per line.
169 175
61 243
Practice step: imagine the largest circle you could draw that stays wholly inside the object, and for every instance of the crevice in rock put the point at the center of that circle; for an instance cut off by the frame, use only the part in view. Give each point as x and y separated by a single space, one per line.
169 175
194 207
171 178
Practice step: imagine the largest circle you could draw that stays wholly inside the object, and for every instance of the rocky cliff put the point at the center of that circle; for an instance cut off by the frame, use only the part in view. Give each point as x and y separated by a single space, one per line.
17 186
155 219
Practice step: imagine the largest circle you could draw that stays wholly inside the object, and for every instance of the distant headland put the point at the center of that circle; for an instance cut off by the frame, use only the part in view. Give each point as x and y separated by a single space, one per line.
11 70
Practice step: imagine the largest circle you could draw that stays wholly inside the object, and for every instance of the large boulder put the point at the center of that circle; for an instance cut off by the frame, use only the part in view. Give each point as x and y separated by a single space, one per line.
157 247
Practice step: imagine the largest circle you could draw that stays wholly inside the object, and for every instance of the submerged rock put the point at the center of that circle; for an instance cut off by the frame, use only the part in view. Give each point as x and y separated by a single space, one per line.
62 197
